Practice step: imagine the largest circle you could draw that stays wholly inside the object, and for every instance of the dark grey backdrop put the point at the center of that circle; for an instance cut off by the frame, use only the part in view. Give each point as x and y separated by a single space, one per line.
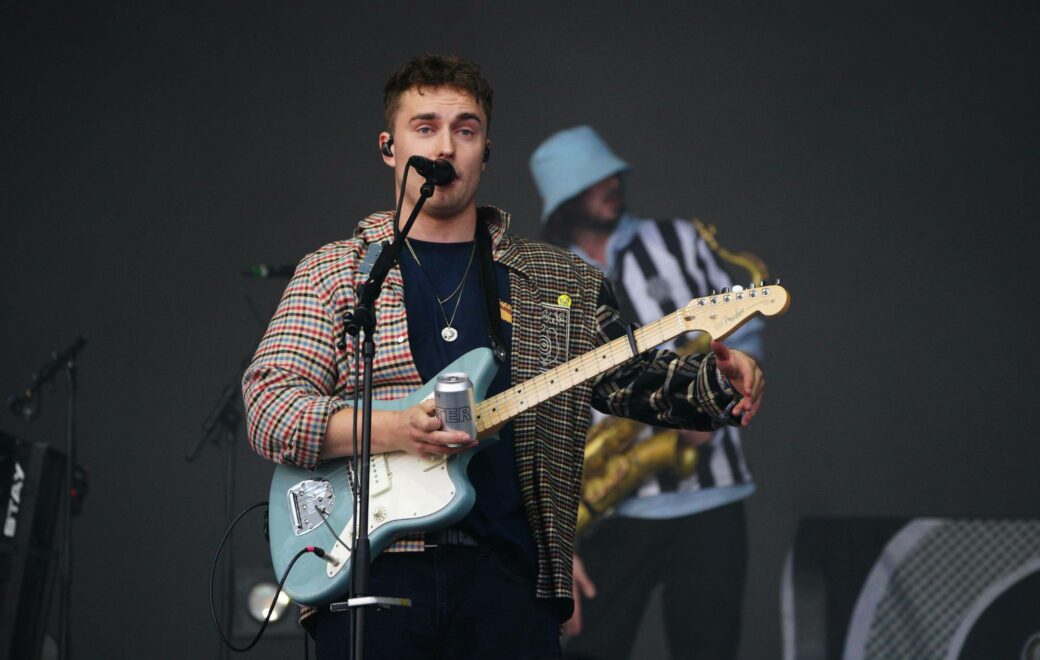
882 159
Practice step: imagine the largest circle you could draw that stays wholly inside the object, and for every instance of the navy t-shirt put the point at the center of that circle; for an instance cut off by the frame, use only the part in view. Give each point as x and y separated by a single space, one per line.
498 513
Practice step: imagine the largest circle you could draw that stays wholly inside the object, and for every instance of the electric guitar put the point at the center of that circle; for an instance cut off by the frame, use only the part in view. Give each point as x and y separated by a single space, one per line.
409 494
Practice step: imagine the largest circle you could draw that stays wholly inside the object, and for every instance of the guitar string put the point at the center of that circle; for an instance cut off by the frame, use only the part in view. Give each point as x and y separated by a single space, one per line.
653 333
608 351
342 476
615 352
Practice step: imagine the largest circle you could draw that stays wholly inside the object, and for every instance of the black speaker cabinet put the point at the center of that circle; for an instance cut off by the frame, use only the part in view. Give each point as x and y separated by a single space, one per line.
31 478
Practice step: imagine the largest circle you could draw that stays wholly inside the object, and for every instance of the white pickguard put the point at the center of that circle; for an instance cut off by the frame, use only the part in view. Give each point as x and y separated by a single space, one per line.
426 488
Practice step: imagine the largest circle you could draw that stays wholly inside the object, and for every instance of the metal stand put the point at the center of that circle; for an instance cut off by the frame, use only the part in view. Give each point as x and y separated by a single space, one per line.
28 406
362 319
65 591
226 419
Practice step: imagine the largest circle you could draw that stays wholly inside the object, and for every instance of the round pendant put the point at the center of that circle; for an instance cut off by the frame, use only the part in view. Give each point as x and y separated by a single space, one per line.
449 333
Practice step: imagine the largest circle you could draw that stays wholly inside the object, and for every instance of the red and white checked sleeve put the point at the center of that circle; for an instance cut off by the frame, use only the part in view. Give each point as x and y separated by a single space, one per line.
289 387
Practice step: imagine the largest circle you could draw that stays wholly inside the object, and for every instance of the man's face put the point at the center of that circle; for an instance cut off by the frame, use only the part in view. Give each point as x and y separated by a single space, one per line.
602 203
440 122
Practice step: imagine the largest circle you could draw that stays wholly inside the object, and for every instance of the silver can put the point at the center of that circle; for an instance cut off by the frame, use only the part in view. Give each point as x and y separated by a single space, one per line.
456 404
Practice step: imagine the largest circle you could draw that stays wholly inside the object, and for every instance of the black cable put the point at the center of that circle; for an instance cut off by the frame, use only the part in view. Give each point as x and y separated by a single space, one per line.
281 583
325 519
355 472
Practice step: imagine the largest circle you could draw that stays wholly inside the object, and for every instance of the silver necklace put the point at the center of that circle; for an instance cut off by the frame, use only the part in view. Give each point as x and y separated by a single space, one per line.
448 333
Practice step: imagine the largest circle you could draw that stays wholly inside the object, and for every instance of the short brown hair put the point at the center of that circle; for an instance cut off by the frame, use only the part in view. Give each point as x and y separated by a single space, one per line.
436 71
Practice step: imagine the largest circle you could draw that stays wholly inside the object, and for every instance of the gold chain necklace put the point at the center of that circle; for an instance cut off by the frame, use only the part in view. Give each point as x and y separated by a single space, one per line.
448 333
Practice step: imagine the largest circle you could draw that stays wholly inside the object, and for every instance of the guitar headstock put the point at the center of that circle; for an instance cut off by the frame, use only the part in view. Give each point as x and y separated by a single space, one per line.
721 313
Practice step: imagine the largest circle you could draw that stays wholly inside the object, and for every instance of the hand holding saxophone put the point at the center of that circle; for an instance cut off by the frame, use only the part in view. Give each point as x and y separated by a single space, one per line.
745 376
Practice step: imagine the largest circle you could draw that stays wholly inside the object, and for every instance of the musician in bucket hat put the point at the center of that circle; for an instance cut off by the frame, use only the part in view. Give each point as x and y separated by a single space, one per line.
685 533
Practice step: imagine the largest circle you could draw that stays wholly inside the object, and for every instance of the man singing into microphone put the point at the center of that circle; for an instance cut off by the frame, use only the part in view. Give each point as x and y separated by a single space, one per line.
498 583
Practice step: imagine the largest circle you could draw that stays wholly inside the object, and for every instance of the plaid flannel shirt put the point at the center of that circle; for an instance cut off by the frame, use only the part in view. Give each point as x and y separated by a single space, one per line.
300 375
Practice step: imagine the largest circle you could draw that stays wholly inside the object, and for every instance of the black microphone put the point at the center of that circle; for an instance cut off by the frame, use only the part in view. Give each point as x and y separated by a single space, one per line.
438 172
264 271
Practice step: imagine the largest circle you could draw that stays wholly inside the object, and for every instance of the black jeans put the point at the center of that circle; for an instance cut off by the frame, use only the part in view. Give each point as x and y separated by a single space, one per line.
467 602
701 560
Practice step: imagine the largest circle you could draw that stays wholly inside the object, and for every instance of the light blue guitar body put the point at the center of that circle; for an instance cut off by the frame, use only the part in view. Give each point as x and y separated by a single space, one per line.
407 494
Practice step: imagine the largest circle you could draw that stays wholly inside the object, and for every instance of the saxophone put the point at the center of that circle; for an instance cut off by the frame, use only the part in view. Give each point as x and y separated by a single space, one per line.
616 462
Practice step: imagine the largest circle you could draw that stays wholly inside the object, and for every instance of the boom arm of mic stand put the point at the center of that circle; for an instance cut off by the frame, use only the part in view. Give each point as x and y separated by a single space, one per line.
221 411
27 403
363 316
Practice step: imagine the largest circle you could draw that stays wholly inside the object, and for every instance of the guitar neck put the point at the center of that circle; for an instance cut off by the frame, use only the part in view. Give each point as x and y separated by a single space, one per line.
499 409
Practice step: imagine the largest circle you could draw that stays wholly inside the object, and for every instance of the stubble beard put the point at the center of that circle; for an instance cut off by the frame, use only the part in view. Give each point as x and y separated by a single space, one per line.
445 209
586 223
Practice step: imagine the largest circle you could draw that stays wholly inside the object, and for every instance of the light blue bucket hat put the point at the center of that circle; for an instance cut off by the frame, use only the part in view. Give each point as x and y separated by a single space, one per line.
570 161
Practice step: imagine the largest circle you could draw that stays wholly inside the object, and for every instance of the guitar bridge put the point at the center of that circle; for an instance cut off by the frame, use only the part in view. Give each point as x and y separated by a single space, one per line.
310 501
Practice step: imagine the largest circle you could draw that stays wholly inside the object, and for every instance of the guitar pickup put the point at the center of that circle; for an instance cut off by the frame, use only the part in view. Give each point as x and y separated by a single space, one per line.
379 476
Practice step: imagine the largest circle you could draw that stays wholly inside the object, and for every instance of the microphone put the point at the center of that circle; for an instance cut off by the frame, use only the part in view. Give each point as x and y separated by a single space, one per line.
438 172
266 271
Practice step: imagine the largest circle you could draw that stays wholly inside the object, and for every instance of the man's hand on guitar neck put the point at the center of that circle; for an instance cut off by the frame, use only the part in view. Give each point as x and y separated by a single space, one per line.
415 430
746 378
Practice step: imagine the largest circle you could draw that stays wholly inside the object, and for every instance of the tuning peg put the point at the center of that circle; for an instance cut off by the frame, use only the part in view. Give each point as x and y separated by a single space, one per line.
777 281
737 288
725 289
714 292
762 283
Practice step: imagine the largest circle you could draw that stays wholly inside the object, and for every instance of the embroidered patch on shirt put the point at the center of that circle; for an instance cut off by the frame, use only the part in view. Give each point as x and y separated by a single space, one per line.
554 330
563 300
505 311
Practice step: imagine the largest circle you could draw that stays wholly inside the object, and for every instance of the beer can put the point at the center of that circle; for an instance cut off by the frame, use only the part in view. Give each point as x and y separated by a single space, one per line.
456 404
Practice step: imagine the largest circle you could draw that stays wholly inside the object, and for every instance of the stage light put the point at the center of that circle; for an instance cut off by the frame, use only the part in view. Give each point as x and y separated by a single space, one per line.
261 599
254 594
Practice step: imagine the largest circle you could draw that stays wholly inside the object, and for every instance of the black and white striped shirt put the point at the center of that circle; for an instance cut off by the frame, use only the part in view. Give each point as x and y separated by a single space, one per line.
657 266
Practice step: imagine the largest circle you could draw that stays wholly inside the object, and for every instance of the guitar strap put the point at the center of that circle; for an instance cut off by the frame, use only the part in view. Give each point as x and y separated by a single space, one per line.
491 299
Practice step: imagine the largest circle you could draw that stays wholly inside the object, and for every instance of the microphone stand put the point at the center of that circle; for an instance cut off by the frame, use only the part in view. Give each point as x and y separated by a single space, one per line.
224 416
363 319
27 405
